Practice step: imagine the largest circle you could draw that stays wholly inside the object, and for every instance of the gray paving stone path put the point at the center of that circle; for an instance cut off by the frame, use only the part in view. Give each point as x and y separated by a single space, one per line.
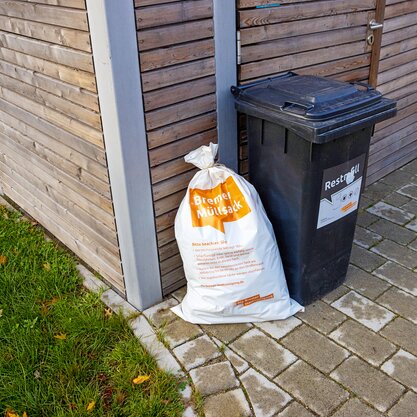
351 354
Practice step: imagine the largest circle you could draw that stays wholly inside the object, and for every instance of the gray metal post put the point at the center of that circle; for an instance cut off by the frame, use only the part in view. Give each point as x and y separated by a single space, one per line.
226 76
114 44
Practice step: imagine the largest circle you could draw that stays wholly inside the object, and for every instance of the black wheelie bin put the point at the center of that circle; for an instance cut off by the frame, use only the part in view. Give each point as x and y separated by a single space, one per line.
308 142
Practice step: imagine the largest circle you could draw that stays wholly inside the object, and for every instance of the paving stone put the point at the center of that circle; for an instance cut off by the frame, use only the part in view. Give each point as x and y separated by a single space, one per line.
263 352
409 190
238 363
362 341
397 178
397 253
226 332
406 407
368 383
364 283
399 276
365 219
365 259
161 313
90 281
319 393
393 232
322 317
365 238
395 199
180 293
189 412
118 303
315 348
279 328
402 367
413 245
335 294
412 225
228 404
186 393
212 379
365 202
145 333
411 207
363 310
401 302
295 410
378 190
403 333
266 397
356 408
179 331
196 352
411 167
391 213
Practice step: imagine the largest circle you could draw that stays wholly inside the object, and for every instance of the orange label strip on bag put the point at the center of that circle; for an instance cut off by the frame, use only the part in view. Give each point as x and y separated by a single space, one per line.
215 206
245 300
266 297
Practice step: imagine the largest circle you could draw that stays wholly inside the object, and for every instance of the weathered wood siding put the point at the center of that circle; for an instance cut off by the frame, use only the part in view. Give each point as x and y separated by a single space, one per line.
325 38
176 53
395 140
52 154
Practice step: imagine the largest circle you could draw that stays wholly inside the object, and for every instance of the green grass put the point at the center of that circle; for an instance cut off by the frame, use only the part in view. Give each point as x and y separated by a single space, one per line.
96 359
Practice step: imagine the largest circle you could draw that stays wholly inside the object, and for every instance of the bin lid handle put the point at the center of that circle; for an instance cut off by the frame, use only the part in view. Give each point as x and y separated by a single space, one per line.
362 84
293 106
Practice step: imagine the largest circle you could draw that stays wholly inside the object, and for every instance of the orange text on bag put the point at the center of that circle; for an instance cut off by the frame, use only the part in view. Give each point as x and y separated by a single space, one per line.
213 207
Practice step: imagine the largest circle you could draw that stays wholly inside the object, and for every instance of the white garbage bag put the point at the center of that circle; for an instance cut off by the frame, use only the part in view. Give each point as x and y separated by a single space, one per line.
231 259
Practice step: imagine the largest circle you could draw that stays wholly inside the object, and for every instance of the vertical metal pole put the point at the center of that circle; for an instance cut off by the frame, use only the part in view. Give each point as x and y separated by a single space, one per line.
226 76
115 52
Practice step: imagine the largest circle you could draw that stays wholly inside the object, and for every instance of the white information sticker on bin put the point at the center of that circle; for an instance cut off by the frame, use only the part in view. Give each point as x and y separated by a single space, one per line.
340 190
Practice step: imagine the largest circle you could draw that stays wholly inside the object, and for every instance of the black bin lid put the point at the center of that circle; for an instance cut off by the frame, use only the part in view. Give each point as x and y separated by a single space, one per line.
309 102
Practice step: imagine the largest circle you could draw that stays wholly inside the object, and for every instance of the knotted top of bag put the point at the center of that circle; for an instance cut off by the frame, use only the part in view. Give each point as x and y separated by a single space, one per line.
203 157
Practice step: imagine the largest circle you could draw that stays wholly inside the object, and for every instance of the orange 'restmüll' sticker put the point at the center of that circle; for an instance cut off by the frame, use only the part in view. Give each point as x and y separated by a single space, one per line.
213 207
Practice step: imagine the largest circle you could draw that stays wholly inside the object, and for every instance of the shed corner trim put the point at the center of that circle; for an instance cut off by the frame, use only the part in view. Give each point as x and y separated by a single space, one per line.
114 44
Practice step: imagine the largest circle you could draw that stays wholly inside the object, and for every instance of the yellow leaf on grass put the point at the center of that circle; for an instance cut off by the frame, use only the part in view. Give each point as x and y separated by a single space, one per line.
24 414
3 260
140 379
61 336
46 266
91 405
11 414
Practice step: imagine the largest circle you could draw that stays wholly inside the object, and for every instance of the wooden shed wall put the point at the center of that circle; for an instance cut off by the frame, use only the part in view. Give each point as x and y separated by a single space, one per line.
52 154
395 140
325 38
176 53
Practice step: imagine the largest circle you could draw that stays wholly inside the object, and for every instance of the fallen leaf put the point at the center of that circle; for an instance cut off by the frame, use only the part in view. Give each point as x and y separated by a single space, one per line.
61 336
108 312
36 374
3 260
11 414
121 398
46 266
140 379
24 414
91 405
1 312
51 302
